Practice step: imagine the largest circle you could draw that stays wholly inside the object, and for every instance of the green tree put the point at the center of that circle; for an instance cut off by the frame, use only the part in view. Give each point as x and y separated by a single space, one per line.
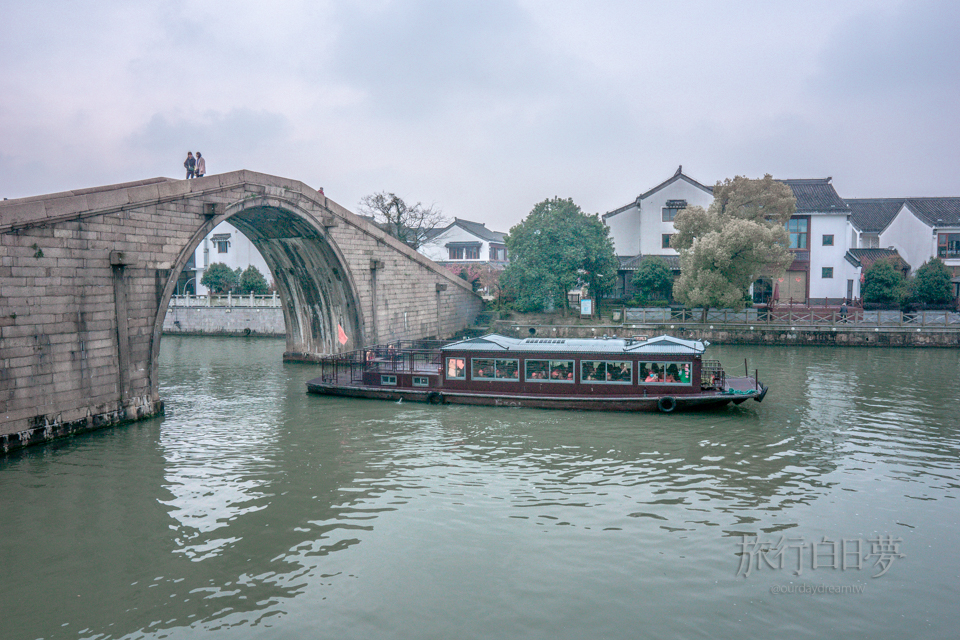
726 247
883 283
654 279
219 278
931 284
252 281
556 247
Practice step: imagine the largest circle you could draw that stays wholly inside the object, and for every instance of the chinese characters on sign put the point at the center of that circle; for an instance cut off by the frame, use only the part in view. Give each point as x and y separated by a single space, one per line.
797 554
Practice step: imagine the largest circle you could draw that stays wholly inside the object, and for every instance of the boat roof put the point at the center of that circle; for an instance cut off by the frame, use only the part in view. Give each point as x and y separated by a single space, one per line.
493 342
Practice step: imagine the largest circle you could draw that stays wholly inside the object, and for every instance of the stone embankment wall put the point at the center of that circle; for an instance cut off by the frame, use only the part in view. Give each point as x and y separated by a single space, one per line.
808 336
225 321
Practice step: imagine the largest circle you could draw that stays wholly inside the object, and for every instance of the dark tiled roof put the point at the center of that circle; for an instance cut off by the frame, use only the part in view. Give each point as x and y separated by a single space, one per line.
816 194
872 215
433 233
866 257
632 263
679 175
479 230
937 212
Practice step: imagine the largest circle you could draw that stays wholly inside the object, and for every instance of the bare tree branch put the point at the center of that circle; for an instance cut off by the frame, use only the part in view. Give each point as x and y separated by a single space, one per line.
406 223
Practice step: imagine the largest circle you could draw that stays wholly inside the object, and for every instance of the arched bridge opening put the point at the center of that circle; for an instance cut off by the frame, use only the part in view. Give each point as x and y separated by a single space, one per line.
313 279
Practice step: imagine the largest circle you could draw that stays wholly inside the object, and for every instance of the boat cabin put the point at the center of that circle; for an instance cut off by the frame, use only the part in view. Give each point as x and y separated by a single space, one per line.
578 366
556 366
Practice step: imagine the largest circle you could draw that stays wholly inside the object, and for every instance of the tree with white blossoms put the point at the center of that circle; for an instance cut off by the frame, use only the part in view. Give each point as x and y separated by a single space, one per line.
725 248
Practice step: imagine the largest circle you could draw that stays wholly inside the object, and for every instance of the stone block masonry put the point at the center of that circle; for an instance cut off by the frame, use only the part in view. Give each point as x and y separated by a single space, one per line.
225 321
86 278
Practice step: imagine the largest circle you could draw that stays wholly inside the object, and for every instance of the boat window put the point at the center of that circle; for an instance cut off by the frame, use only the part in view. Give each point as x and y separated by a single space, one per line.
495 369
421 381
549 370
613 371
664 372
456 369
388 380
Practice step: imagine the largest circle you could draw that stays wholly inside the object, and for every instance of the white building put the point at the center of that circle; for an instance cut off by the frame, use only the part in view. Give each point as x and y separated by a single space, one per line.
868 217
820 235
643 227
465 242
926 228
224 244
819 238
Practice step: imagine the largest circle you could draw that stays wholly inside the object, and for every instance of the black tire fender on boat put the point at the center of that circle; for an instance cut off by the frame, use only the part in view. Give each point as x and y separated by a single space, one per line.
435 397
666 404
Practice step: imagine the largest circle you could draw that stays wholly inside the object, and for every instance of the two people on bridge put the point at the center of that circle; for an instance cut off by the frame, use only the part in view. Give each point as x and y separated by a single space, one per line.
196 167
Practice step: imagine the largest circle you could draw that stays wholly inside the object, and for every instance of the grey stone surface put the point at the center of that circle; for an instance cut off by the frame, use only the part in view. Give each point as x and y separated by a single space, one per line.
60 334
238 321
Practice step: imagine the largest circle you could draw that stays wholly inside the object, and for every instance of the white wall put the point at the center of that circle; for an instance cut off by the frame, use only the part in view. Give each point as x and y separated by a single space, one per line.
625 232
640 230
911 237
241 253
437 251
652 226
830 256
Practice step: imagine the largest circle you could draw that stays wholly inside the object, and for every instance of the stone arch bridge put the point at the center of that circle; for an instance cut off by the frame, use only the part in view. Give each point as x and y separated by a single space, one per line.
86 277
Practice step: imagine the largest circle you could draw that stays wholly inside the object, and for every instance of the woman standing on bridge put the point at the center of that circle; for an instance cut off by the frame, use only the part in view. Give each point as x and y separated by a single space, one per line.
201 166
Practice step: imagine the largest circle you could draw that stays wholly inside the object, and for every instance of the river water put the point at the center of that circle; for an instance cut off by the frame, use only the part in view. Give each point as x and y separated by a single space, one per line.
254 510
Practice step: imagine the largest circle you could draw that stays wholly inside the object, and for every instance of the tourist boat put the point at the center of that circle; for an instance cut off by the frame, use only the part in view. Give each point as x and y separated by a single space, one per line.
606 374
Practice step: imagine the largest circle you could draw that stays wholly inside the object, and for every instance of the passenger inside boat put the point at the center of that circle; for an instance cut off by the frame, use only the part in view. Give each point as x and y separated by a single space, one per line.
653 375
455 368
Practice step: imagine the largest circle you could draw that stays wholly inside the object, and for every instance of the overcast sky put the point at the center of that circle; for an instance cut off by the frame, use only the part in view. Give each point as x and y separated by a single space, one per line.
483 108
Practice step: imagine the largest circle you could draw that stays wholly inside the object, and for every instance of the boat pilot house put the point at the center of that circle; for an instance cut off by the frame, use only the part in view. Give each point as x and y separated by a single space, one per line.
613 374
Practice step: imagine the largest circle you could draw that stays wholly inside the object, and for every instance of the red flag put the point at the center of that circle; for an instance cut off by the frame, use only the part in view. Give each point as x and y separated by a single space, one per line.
341 335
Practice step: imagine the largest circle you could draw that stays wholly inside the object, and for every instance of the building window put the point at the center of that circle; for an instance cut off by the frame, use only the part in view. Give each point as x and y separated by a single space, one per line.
421 381
797 228
948 245
762 290
828 240
669 212
456 253
222 246
498 254
471 253
388 380
665 240
826 272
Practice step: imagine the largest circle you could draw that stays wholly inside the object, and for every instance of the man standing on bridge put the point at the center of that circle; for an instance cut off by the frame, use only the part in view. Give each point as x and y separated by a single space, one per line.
189 164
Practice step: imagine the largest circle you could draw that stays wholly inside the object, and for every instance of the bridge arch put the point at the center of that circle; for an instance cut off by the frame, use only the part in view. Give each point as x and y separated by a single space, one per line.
314 282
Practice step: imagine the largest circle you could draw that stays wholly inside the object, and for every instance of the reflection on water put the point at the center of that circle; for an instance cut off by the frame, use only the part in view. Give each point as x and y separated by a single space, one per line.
255 510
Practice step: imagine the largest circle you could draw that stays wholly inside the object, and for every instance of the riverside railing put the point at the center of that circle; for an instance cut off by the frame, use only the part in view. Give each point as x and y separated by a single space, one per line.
402 356
229 300
808 317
